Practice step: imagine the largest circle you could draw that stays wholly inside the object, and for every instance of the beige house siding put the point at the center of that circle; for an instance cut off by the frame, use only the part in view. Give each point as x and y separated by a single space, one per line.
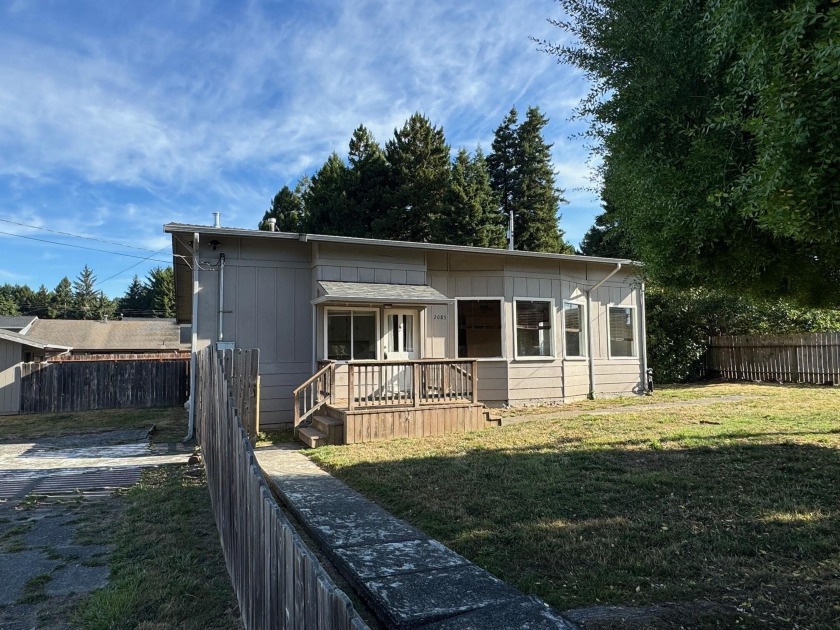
10 358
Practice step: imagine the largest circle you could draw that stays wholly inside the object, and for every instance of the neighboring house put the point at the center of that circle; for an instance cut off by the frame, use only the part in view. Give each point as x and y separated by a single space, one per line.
17 323
403 322
15 349
140 336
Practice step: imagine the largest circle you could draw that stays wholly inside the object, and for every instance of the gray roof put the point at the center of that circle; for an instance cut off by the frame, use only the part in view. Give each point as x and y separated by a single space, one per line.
240 232
378 293
8 335
162 335
16 322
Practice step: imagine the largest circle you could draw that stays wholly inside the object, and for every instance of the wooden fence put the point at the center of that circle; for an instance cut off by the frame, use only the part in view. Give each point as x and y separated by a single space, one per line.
82 385
278 581
804 358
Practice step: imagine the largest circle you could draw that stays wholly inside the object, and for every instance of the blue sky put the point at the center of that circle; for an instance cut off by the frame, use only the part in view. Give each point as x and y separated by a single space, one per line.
118 117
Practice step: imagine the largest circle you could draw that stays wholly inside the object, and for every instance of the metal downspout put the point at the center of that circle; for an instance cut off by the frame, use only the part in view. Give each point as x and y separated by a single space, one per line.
221 295
589 328
194 338
643 334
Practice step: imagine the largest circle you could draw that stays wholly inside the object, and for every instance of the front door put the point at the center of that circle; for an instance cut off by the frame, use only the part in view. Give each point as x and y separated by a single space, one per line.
401 344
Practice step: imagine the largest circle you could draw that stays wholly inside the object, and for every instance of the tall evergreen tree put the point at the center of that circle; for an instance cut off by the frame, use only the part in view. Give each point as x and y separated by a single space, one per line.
41 303
471 216
85 298
160 285
135 302
607 237
419 159
536 197
367 182
62 303
325 199
7 305
287 208
502 161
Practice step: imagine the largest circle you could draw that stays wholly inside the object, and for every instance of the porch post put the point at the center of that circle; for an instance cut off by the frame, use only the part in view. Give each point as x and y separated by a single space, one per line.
415 390
474 381
350 388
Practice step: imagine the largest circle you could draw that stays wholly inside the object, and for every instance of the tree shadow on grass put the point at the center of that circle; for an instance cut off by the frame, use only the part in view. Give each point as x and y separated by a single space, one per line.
752 528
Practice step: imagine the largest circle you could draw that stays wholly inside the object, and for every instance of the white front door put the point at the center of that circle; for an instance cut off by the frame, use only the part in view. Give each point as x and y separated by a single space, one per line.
401 335
401 341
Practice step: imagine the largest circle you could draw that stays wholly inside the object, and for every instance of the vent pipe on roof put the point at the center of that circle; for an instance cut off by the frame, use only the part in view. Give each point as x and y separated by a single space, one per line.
217 219
272 224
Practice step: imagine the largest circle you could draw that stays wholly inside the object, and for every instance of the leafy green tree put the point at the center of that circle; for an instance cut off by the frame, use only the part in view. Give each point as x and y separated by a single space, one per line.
160 288
367 182
607 238
419 184
471 216
325 199
85 296
718 122
287 208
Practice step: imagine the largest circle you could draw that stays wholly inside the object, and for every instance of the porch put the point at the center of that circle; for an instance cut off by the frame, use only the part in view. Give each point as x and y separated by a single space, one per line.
363 401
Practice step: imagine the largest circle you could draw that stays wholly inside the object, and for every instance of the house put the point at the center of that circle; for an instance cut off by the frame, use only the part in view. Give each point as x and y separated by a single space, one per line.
15 349
128 336
17 323
390 337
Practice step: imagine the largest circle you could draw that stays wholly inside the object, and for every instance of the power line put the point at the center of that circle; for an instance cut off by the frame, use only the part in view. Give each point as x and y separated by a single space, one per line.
89 238
93 249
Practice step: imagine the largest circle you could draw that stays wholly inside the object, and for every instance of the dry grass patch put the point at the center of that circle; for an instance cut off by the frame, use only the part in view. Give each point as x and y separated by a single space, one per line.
736 503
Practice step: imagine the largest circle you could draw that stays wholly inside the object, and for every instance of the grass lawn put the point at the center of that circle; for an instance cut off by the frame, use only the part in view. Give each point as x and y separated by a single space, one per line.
171 423
167 568
730 508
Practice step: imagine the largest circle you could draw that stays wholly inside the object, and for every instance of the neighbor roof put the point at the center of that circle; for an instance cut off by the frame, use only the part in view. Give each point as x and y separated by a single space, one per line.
370 292
8 335
239 232
16 322
147 335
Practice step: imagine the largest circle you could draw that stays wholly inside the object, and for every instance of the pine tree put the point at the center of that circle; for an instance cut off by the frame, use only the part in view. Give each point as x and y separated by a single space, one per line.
135 302
62 301
160 286
42 303
367 182
287 208
471 216
8 305
84 295
325 199
502 162
419 184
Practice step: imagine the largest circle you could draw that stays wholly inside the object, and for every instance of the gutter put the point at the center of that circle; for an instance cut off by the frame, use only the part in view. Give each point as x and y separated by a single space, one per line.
643 332
589 328
193 340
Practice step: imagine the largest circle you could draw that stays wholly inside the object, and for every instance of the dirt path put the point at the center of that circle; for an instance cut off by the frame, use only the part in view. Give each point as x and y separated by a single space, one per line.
57 502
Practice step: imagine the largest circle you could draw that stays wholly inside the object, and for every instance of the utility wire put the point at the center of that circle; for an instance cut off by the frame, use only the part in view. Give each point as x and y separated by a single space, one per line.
89 238
93 249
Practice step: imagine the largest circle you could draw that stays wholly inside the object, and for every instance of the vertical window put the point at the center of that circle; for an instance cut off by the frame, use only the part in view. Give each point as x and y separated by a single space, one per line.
351 335
621 331
573 325
533 328
479 328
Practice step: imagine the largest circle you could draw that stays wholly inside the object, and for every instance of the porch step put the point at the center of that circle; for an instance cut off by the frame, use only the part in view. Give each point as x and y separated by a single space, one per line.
332 428
492 419
312 437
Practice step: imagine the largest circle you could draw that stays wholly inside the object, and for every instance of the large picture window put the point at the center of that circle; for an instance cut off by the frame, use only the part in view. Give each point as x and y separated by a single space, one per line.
479 328
622 342
351 335
573 326
533 328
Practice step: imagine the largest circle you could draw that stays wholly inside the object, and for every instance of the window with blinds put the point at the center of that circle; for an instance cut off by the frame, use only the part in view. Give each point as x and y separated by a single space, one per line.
479 328
533 328
622 342
573 324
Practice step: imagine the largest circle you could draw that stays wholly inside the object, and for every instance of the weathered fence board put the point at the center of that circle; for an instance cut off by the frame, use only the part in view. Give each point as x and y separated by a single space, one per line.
278 581
803 358
82 385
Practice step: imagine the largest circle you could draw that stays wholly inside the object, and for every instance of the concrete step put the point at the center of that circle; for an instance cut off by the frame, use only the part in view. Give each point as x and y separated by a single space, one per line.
333 428
312 437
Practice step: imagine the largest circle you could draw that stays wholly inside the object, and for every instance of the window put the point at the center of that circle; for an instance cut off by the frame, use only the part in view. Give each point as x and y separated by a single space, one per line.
533 328
573 325
351 335
479 328
621 331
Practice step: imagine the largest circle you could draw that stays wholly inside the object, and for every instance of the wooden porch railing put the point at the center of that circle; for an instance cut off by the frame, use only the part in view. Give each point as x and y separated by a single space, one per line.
411 383
315 392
